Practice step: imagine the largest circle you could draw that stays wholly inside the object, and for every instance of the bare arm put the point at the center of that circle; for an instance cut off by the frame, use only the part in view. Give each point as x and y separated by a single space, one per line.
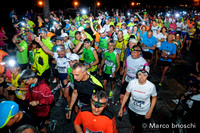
78 128
44 48
96 58
126 96
153 103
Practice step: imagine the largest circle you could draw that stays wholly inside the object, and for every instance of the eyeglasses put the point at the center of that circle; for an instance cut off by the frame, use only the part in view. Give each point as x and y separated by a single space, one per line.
97 104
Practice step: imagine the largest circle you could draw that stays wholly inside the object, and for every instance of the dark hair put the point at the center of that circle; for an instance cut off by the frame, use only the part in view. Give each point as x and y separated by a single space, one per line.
36 43
77 33
137 46
87 40
27 74
24 127
100 94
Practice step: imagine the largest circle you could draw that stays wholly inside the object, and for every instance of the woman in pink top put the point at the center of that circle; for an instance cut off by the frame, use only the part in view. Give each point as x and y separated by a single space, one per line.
173 27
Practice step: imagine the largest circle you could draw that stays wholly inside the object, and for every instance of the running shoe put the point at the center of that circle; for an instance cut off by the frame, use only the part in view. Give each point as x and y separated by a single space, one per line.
52 126
175 101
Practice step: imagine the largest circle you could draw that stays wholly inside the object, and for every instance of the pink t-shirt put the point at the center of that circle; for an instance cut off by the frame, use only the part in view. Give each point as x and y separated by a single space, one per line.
2 43
172 26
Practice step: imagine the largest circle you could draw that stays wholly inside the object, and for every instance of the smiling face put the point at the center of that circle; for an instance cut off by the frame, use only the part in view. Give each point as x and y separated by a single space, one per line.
142 77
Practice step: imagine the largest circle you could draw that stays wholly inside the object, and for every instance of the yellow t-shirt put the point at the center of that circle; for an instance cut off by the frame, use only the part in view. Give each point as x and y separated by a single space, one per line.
15 84
120 47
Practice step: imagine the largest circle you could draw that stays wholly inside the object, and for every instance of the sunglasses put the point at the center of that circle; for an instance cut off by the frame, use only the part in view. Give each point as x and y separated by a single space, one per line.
98 104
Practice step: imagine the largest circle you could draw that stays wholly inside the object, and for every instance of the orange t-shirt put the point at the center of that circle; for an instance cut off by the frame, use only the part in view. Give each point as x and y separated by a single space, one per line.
93 123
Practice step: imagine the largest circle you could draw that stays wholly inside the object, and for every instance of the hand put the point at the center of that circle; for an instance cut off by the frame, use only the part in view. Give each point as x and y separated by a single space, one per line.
23 97
34 103
120 113
122 72
148 115
38 39
83 36
113 75
88 66
123 80
12 88
68 114
100 72
90 18
1 80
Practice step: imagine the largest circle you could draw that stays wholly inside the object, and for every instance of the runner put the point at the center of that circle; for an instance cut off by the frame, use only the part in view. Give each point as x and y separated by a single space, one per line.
104 119
111 65
140 106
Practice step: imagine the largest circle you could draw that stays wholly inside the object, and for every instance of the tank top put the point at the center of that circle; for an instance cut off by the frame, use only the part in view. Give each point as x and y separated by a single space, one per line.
89 58
110 62
103 43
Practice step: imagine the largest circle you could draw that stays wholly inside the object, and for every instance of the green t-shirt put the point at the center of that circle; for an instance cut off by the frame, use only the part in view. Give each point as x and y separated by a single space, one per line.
127 36
103 43
71 77
167 24
22 57
110 62
30 24
75 42
47 43
130 24
88 55
72 34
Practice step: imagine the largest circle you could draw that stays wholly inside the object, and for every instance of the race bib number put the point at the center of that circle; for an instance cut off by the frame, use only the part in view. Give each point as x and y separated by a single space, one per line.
103 49
72 38
146 50
96 44
129 78
109 63
89 131
62 69
137 102
118 50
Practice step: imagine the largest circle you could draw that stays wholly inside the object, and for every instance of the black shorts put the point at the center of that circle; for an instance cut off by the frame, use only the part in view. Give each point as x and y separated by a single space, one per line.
147 55
164 63
121 64
137 120
123 88
108 77
23 66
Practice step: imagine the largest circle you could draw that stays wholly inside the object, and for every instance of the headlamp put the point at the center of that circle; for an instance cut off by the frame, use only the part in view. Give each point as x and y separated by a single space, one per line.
84 11
98 104
128 13
177 15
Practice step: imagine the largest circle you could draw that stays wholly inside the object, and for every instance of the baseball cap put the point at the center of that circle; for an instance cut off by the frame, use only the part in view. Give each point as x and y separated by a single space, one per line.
102 30
80 28
74 57
8 110
64 35
59 38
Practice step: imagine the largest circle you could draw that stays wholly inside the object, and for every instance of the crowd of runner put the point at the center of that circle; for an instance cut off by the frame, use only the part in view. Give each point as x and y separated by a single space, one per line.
79 56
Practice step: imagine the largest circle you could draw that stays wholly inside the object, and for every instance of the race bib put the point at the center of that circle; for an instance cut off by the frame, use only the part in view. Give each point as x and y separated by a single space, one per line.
96 44
118 50
89 131
103 49
146 50
129 78
137 102
62 69
72 38
109 63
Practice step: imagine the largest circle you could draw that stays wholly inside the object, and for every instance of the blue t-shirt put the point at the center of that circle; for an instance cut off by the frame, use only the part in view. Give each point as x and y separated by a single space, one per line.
66 27
169 49
149 42
142 35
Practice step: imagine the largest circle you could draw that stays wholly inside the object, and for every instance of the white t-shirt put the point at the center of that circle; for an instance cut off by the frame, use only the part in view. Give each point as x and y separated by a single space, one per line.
132 66
68 44
154 29
62 63
140 96
124 32
179 24
184 27
107 27
158 36
164 37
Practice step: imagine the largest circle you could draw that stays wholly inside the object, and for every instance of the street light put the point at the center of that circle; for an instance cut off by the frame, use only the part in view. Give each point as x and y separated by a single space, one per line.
40 3
75 3
98 4
132 3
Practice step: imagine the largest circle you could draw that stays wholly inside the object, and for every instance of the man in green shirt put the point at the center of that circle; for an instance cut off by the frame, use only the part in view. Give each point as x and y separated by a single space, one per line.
90 57
72 33
81 29
22 52
111 65
45 39
167 24
30 24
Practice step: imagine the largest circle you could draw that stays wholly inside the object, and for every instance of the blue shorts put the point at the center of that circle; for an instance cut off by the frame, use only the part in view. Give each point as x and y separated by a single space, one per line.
183 33
62 76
